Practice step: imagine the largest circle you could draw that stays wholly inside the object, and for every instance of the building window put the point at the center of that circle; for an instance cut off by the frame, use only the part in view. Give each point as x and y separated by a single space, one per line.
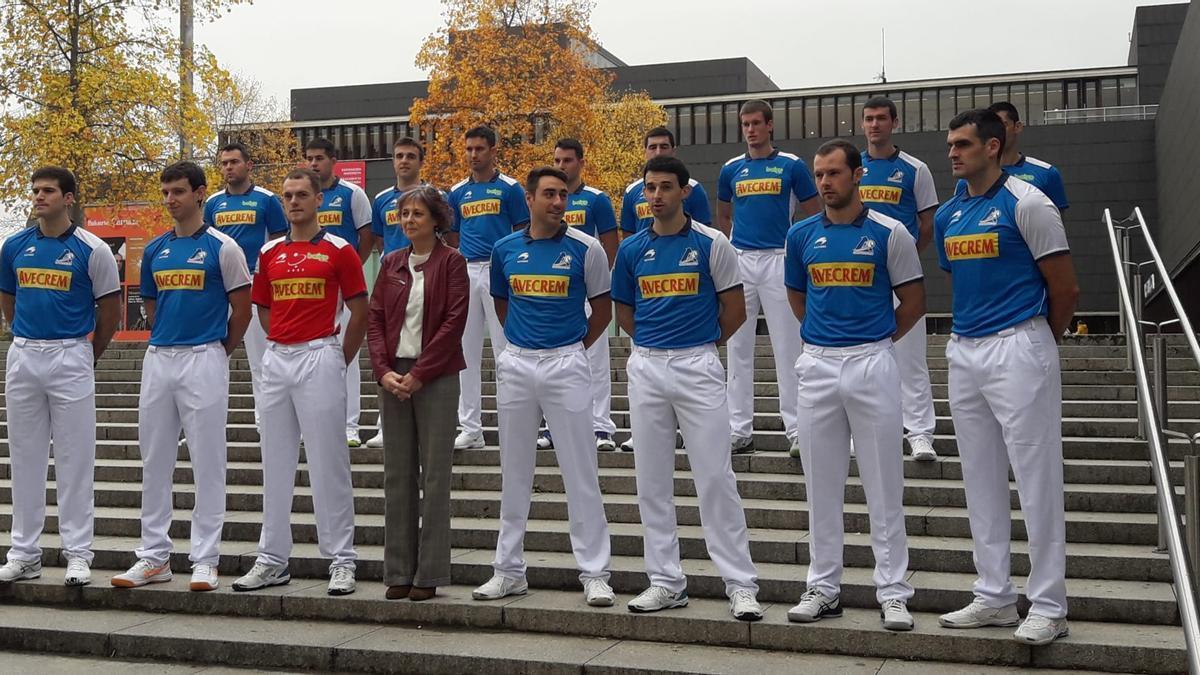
812 118
1129 91
795 115
1073 98
1037 103
671 125
983 96
1109 93
912 111
946 106
845 116
965 100
684 117
828 127
779 110
1017 97
733 127
929 110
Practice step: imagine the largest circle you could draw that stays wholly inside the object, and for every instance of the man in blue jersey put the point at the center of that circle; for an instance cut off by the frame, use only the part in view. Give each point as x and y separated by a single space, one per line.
900 186
488 206
192 277
1002 241
678 294
345 211
843 267
251 215
542 277
635 208
755 192
58 283
1042 175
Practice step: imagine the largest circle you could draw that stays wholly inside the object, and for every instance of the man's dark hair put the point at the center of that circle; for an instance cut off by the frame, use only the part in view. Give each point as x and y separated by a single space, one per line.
881 102
988 124
656 132
668 165
184 170
64 178
305 174
236 146
853 158
536 176
322 144
570 144
412 143
483 132
1007 108
757 106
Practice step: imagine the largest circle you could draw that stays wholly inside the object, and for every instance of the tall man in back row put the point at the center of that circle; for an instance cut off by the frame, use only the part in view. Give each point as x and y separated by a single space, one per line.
755 193
1003 243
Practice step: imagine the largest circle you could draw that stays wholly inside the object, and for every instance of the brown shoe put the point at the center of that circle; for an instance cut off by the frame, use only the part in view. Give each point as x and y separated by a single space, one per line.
418 594
398 592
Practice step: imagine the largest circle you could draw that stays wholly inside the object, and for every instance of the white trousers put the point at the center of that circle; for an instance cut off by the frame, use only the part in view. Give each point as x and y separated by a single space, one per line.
300 387
686 387
843 391
1006 400
256 343
600 365
555 383
916 396
188 388
762 282
353 380
50 390
481 312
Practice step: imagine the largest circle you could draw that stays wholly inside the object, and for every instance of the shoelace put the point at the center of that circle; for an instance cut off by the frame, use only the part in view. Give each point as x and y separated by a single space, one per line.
743 596
656 593
594 586
78 565
341 575
812 594
1037 622
894 605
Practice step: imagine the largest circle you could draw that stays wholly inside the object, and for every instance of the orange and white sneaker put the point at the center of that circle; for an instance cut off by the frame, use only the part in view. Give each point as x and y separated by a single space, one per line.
143 572
204 577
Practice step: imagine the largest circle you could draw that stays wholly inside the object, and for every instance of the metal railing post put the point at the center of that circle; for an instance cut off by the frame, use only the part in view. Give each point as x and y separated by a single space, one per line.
1158 343
1122 244
1135 293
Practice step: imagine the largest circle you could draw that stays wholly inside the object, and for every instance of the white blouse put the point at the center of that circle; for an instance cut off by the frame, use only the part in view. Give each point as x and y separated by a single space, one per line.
409 346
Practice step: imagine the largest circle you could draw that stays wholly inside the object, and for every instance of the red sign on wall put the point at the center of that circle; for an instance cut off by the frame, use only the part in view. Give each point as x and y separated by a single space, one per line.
353 171
127 229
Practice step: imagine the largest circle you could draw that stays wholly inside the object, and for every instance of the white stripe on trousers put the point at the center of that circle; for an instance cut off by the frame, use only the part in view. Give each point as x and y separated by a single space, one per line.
843 391
762 283
481 312
916 396
303 396
50 392
188 388
353 380
555 383
686 387
1006 400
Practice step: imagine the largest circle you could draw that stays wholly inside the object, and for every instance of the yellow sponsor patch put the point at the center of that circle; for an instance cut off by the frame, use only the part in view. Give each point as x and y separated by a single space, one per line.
483 207
758 186
842 274
973 246
227 218
880 194
539 286
301 288
392 217
668 285
179 280
643 210
575 218
329 218
50 280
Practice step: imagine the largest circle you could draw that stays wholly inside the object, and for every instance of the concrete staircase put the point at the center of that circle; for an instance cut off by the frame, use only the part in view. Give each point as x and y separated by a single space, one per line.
1123 613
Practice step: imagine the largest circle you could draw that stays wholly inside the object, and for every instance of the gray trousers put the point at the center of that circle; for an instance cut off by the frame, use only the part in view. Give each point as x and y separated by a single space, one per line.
418 446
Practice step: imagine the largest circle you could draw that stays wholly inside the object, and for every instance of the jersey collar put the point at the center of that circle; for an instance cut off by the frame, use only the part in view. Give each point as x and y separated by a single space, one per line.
495 176
240 194
315 240
195 235
858 221
866 155
687 227
773 155
70 231
562 232
582 185
991 192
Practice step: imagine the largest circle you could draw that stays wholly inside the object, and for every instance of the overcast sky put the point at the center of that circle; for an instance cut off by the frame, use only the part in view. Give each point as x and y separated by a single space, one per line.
798 43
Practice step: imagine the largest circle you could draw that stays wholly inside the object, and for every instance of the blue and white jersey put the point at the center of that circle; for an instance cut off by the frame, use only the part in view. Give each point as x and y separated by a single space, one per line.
485 213
591 211
763 192
344 210
635 210
991 244
385 219
56 281
899 186
847 273
547 282
190 279
672 284
1042 175
248 218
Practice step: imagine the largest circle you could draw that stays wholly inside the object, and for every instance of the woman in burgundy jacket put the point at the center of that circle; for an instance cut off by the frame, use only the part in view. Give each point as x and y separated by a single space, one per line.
417 314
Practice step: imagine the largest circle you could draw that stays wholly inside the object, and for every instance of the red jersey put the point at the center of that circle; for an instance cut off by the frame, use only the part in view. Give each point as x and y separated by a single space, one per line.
303 284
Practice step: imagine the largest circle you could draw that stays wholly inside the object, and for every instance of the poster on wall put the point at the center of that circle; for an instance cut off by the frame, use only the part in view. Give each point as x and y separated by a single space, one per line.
127 229
352 172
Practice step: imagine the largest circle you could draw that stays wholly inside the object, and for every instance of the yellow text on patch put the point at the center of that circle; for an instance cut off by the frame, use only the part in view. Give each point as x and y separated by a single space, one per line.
842 274
668 285
539 286
392 217
575 218
179 280
643 211
973 246
300 288
329 218
50 280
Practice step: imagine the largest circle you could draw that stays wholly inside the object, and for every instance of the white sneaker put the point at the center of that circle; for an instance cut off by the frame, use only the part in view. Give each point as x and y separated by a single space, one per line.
742 445
499 587
922 449
743 605
544 440
352 440
376 441
895 615
143 572
627 445
79 573
657 598
1040 630
204 577
341 581
604 442
262 576
794 451
17 570
978 615
814 606
598 592
466 441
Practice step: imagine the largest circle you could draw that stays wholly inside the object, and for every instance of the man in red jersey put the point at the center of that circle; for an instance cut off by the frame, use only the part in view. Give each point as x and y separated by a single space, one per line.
303 279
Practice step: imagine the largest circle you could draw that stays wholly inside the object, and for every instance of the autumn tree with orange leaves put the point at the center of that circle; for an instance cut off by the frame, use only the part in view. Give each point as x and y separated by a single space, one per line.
522 69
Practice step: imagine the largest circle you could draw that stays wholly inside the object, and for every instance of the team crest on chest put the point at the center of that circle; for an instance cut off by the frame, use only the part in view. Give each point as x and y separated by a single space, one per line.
563 262
198 257
866 246
992 218
67 258
649 255
690 258
821 242
896 177
523 257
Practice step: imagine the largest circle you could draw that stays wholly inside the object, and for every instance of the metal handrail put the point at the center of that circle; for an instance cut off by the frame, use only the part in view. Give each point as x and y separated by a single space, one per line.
1181 568
1114 113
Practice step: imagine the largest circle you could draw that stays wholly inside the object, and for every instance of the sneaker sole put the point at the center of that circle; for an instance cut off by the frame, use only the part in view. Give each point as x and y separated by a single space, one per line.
1039 643
824 614
77 582
1005 623
601 602
201 586
129 583
674 605
277 582
748 616
898 627
480 596
23 577
340 591
925 458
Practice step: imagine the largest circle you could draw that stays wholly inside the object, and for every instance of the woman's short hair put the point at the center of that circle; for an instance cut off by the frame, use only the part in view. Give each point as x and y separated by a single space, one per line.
433 200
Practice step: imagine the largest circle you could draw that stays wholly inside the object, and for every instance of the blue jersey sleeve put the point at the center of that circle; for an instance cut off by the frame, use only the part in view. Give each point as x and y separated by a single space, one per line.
377 223
939 240
210 205
149 289
518 210
802 183
498 281
623 286
452 200
276 220
1055 190
602 212
725 183
8 273
628 215
697 205
795 276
